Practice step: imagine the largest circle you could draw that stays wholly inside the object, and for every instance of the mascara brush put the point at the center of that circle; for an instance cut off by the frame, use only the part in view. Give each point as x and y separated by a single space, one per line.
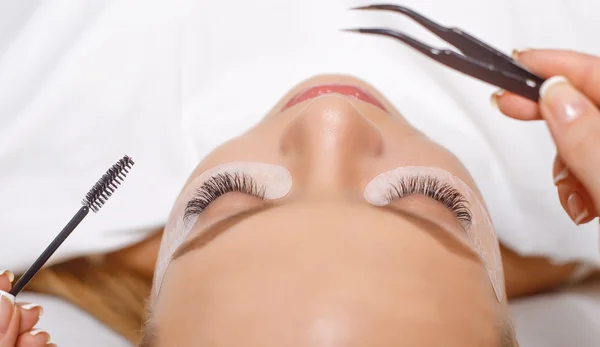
94 200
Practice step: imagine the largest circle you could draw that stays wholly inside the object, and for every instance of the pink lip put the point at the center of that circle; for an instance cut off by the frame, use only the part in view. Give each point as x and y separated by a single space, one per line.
343 89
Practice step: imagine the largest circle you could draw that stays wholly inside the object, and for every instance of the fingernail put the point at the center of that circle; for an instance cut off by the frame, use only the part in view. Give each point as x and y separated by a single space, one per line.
494 98
563 174
576 208
38 331
30 307
516 53
11 276
7 307
564 102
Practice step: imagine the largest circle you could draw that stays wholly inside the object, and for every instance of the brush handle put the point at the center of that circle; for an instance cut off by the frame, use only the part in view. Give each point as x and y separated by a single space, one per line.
47 253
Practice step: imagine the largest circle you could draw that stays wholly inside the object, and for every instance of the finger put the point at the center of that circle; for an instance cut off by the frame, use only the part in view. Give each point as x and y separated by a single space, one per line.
9 320
567 184
33 338
560 171
30 315
575 126
572 195
582 70
576 203
6 279
515 106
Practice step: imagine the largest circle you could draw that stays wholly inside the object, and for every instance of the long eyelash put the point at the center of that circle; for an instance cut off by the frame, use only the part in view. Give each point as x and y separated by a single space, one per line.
435 189
221 184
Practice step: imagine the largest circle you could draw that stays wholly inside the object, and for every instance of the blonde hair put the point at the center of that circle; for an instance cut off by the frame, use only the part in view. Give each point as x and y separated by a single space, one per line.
115 295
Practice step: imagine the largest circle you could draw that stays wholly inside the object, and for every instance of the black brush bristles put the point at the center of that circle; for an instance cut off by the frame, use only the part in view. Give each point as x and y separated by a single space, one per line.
94 200
106 186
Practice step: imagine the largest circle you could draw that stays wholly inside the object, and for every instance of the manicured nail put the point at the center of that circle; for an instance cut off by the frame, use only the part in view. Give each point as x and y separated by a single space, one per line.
30 307
494 98
38 331
11 276
564 103
576 208
7 308
563 174
516 53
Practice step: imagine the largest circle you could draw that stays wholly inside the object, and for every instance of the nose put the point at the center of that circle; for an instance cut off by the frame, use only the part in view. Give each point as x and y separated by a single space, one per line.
330 142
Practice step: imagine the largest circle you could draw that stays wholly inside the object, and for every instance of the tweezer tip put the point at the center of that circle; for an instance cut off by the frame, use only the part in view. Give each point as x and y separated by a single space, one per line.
361 8
388 7
352 30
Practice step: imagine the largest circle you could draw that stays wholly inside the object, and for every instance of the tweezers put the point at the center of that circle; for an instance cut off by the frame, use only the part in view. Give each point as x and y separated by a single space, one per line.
478 59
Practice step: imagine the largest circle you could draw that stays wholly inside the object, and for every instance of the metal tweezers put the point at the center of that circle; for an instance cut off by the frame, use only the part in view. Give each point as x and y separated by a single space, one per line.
477 60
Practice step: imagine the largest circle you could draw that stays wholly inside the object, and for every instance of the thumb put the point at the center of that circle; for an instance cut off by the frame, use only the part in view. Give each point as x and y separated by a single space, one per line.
9 320
574 122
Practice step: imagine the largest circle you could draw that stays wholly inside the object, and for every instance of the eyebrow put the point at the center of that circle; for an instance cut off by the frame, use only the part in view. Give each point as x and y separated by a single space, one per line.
440 234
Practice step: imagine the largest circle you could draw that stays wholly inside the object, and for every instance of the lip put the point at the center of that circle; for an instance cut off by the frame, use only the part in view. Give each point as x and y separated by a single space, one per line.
342 89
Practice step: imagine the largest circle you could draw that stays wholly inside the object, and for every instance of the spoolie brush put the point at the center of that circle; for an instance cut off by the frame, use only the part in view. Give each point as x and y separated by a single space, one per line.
94 200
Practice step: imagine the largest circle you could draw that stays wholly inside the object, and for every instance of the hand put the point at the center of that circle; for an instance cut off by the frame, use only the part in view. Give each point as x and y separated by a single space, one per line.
572 115
18 320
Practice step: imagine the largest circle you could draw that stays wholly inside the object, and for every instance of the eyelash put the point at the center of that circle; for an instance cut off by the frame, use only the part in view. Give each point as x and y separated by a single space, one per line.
435 189
219 185
227 182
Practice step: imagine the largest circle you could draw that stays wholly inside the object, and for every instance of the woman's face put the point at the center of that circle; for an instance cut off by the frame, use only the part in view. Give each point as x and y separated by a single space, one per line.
332 222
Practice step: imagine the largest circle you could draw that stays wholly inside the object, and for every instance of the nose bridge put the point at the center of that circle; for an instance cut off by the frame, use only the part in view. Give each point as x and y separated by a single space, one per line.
330 140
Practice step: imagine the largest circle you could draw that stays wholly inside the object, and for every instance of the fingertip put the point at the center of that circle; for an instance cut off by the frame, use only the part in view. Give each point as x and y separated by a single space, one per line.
8 274
30 316
517 53
585 218
33 338
40 335
575 203
551 82
6 279
35 308
528 57
8 313
515 106
494 98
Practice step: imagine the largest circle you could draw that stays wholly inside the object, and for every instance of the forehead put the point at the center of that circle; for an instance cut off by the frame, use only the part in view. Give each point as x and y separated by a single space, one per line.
363 273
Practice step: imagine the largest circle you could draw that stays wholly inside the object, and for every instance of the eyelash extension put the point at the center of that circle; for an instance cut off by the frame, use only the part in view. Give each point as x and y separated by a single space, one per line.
435 189
221 184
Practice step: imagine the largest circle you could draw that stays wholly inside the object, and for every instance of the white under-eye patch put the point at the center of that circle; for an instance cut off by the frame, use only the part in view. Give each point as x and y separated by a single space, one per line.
276 181
480 231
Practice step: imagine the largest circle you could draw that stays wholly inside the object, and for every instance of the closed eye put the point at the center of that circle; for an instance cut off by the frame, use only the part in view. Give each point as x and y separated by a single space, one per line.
435 189
219 185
